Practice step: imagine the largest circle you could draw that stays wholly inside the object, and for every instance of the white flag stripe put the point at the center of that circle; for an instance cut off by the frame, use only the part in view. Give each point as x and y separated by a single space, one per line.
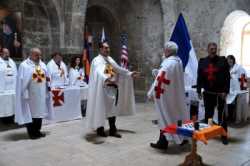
192 65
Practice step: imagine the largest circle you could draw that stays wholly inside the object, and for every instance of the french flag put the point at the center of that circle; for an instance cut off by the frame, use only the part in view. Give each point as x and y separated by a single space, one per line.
186 51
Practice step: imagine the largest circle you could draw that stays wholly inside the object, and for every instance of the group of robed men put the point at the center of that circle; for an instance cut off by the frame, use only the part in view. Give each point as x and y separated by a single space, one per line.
111 92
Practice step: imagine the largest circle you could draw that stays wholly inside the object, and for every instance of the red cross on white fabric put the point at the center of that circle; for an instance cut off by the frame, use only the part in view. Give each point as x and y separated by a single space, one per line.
158 89
243 82
210 70
58 97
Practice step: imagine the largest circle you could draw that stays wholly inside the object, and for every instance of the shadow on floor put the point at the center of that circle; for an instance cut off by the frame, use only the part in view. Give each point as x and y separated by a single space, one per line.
19 136
232 140
239 125
174 149
93 138
16 137
126 131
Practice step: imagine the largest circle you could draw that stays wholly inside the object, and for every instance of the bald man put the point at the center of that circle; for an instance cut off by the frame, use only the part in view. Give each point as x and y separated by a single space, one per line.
8 73
33 97
169 96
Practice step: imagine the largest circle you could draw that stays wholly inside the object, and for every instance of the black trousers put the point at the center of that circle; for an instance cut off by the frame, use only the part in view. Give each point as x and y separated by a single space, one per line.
210 102
232 112
34 128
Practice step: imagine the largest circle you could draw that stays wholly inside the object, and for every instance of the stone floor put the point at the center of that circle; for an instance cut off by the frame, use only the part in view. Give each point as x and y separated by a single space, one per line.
66 144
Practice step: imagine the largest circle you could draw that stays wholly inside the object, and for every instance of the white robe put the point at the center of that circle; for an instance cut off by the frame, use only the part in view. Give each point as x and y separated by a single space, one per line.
100 103
33 99
8 73
59 76
235 73
76 77
235 94
170 105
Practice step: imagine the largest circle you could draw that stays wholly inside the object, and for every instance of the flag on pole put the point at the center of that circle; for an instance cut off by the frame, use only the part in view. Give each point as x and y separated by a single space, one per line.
86 54
186 51
9 29
103 37
124 50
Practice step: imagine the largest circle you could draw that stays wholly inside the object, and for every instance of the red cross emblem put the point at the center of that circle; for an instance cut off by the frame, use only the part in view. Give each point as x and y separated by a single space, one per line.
161 79
58 97
210 70
243 82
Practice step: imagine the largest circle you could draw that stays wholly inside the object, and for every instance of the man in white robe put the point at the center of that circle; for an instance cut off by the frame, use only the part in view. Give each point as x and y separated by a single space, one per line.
169 95
8 73
103 95
33 94
57 71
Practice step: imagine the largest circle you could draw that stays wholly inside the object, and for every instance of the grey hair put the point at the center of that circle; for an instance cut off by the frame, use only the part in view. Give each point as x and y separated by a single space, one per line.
37 50
172 46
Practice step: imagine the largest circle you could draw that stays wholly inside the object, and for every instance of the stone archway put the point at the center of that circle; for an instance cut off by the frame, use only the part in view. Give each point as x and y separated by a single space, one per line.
40 24
97 18
234 36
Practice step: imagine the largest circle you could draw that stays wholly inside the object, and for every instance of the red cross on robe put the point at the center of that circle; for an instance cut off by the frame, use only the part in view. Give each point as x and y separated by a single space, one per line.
58 97
243 82
210 71
158 89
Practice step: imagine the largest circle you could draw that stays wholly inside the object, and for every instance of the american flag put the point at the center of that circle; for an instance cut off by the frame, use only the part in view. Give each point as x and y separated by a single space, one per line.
124 50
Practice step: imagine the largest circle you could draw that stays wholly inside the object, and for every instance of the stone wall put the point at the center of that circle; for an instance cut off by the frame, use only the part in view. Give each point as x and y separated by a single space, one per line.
58 25
204 19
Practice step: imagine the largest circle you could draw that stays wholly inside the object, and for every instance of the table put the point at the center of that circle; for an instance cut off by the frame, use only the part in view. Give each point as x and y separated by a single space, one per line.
203 134
242 100
84 92
7 103
192 96
66 103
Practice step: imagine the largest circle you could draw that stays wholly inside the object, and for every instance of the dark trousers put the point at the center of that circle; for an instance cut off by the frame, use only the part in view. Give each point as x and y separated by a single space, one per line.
112 126
231 112
210 102
34 128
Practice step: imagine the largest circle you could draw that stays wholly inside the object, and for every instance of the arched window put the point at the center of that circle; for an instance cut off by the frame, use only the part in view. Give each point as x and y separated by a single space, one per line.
235 38
245 46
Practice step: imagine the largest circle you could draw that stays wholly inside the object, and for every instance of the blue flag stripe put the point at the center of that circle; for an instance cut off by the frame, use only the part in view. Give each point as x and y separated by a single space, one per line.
181 37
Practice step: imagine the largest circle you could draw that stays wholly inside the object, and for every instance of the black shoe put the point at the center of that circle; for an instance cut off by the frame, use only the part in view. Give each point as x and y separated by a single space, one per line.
115 134
41 134
224 140
159 146
34 137
100 132
184 142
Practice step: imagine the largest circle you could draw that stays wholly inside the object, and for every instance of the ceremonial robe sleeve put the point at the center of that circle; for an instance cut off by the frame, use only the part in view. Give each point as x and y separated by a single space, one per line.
119 69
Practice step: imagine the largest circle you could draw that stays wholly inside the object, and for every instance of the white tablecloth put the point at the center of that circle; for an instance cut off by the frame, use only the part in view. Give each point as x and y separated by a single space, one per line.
7 103
84 92
191 95
242 100
66 104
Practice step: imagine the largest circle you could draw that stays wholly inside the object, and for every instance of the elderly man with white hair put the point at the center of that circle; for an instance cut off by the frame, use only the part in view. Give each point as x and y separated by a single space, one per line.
33 96
169 95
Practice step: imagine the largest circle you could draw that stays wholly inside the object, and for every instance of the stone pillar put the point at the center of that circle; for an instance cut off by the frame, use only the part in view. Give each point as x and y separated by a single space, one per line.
74 25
